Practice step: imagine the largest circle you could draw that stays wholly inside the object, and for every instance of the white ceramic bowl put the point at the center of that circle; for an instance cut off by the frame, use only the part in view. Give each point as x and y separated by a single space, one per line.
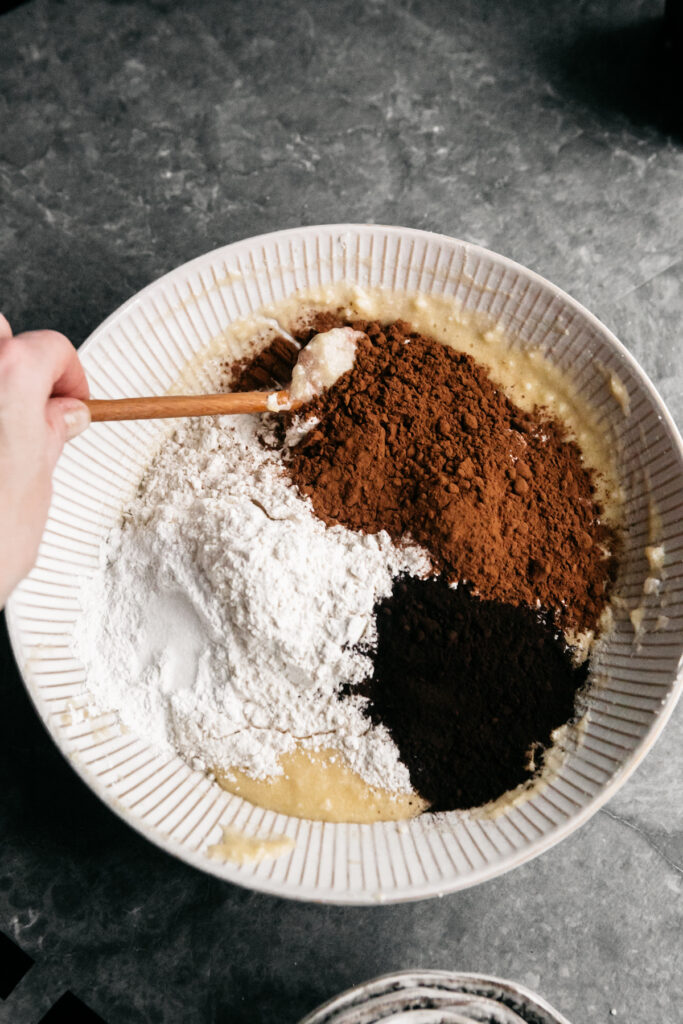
436 997
142 348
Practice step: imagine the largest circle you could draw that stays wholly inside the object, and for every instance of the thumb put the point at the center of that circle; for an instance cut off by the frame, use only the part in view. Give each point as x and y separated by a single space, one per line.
66 418
5 329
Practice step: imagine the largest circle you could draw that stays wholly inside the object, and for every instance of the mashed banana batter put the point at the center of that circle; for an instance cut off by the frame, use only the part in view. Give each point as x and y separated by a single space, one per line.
320 786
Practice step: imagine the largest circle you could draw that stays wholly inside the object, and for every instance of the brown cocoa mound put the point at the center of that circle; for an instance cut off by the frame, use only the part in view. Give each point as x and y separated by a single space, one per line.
469 689
418 441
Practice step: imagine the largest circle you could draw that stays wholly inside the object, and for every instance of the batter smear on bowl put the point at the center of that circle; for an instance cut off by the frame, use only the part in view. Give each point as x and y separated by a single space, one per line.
374 606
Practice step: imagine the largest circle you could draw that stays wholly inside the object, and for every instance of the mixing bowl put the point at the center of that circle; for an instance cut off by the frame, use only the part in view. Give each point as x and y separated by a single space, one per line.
142 348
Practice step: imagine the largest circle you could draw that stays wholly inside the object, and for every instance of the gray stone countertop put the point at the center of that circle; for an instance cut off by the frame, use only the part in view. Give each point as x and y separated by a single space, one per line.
134 136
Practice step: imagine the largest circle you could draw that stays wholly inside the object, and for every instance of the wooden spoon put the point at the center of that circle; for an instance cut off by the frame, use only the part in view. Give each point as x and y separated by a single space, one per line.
164 407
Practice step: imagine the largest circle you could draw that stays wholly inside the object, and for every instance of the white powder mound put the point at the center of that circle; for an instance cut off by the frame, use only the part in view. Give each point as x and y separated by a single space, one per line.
223 618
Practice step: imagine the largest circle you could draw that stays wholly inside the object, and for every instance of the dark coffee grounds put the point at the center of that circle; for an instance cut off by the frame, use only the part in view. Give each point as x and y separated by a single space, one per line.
469 689
417 440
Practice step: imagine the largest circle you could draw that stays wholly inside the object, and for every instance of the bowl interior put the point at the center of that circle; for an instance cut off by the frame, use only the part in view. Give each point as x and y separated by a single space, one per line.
143 348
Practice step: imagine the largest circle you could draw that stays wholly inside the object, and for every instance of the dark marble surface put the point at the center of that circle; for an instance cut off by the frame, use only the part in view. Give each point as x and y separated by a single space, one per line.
134 136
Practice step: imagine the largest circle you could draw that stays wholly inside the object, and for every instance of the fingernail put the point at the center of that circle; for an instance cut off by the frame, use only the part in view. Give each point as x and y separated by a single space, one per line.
76 420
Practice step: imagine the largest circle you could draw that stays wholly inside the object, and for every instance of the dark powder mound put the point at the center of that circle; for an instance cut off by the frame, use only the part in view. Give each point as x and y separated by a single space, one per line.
417 440
469 690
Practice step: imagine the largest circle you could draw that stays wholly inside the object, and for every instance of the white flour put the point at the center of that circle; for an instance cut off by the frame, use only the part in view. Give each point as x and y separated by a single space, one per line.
222 619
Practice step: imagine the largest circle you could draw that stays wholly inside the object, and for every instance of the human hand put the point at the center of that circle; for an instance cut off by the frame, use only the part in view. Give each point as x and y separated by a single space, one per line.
42 385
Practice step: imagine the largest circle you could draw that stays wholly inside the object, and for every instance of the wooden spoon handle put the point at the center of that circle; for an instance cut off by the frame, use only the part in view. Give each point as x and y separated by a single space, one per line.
168 406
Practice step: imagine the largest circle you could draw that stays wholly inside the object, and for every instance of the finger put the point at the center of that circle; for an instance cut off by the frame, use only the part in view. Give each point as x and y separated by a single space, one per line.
66 418
57 357
5 329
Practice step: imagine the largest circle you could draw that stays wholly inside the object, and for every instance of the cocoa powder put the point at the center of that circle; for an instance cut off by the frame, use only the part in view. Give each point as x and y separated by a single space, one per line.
268 370
417 440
